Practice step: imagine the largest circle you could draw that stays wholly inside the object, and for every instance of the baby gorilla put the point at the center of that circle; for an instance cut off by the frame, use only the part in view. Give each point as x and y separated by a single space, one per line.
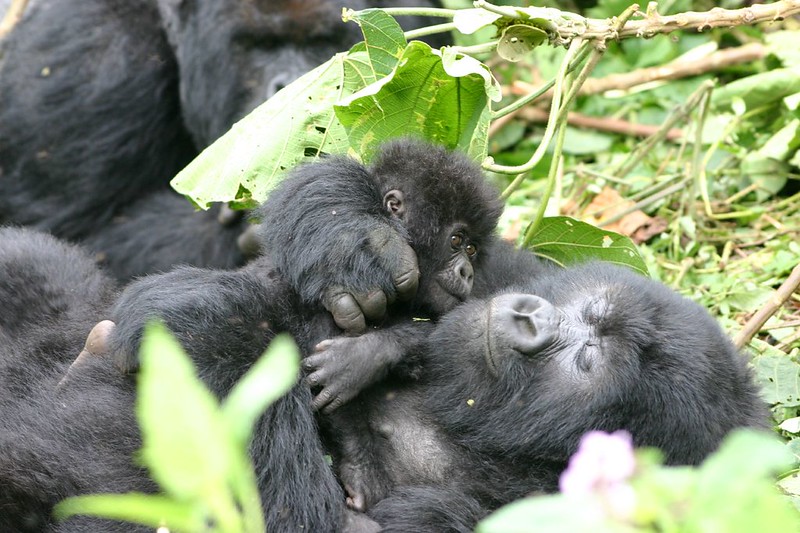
337 228
510 383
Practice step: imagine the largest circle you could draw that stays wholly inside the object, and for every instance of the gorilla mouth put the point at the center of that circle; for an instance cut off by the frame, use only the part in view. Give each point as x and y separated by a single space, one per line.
443 299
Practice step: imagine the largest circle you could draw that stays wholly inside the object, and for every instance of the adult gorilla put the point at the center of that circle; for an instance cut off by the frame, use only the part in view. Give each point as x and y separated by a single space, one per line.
103 101
508 385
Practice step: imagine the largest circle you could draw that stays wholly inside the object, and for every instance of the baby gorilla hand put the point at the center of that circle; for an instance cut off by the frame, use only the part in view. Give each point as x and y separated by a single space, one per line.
352 310
344 366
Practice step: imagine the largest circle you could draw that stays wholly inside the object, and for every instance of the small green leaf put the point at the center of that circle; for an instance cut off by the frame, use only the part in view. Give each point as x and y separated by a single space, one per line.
567 241
184 440
518 40
268 379
146 509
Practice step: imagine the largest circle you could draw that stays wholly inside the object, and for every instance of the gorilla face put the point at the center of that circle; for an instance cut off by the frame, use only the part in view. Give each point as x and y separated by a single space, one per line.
593 347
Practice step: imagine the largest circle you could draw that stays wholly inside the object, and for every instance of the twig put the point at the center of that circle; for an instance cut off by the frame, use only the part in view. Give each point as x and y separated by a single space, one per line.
612 125
755 323
674 70
12 16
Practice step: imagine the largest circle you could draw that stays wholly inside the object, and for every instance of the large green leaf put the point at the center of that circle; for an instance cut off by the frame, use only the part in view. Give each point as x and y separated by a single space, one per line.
779 377
567 241
422 99
759 89
296 124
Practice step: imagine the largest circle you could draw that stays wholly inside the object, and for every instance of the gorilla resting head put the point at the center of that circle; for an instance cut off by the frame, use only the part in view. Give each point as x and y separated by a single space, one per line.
510 383
593 347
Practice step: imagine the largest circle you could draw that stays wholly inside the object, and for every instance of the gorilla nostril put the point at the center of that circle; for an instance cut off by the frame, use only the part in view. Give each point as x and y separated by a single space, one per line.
466 272
277 83
525 322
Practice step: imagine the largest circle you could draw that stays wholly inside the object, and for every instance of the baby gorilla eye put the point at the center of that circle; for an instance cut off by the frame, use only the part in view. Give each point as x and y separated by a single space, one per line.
471 250
456 240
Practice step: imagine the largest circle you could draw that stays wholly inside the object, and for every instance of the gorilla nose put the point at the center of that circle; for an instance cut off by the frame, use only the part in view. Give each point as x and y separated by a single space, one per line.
524 322
277 83
465 272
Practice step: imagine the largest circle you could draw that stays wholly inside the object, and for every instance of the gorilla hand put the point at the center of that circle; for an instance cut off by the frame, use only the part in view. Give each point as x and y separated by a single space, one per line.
352 310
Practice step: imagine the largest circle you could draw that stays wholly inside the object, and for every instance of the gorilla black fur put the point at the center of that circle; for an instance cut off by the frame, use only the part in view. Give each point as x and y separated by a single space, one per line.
104 101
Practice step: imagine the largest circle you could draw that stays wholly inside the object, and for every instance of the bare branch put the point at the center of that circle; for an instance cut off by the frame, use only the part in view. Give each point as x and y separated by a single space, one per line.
569 26
777 300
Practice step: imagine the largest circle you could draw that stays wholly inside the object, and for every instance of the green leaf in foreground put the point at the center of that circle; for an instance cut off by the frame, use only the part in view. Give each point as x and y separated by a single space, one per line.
567 241
147 509
269 379
184 440
420 98
297 124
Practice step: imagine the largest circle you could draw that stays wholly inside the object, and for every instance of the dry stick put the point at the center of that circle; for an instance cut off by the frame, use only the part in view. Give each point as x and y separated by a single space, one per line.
674 70
677 69
13 15
612 125
755 323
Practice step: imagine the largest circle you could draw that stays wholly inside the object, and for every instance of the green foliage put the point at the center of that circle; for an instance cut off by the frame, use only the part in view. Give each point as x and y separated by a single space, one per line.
567 241
731 491
195 449
381 88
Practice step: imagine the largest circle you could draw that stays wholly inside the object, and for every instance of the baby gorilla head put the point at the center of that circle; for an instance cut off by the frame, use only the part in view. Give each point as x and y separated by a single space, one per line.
592 347
335 227
448 210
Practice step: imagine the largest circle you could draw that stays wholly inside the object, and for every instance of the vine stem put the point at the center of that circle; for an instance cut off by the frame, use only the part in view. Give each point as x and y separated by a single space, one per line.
549 130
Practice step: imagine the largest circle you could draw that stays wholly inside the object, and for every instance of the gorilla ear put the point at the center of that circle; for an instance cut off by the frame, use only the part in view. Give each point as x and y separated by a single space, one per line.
393 201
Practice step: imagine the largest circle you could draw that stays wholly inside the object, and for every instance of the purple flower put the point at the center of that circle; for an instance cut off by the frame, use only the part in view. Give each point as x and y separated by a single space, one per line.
602 466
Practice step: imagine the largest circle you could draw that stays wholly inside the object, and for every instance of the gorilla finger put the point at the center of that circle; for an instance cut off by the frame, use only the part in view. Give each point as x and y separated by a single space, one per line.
336 403
324 345
248 241
97 340
373 304
321 400
227 216
346 312
317 378
399 259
